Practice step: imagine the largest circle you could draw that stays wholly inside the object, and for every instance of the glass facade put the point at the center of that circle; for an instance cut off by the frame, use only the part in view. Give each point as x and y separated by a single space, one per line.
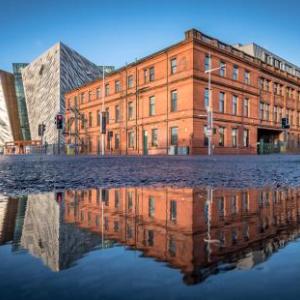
23 116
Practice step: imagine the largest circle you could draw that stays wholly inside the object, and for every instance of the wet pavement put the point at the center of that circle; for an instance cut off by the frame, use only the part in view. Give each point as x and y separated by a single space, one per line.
23 174
150 227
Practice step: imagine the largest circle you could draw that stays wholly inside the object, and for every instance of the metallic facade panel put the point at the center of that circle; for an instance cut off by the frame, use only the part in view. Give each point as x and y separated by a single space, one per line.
46 80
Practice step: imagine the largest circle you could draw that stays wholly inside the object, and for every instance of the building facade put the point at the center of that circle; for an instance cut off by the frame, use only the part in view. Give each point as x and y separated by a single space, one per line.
46 80
23 116
10 129
158 105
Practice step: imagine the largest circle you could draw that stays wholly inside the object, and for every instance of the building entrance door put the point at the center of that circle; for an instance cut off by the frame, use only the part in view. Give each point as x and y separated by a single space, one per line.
145 142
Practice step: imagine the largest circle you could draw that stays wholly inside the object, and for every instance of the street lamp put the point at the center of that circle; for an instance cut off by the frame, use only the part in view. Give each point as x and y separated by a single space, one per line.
102 113
209 108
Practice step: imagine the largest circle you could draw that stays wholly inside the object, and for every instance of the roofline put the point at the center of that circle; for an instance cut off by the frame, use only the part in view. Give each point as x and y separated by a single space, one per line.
273 54
188 40
132 64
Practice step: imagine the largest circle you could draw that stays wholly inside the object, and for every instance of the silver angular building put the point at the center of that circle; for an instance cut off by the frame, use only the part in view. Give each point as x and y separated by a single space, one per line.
46 80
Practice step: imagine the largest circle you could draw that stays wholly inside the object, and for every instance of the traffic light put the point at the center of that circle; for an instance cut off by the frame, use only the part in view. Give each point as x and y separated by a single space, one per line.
59 120
41 129
285 123
59 197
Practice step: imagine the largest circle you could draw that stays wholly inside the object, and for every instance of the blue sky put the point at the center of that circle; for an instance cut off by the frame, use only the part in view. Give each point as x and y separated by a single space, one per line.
115 32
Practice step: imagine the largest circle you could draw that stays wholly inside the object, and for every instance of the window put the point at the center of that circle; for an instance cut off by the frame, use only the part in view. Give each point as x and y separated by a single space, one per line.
207 64
150 238
117 141
234 105
81 98
151 206
107 89
117 198
267 112
130 111
151 74
75 101
205 142
234 137
222 69
221 136
117 113
247 77
98 118
145 75
220 205
222 102
130 81
90 119
261 110
174 135
173 101
246 138
129 200
152 106
173 210
173 65
131 139
107 115
117 86
206 98
82 121
154 137
235 72
98 93
172 247
90 96
233 204
275 115
246 107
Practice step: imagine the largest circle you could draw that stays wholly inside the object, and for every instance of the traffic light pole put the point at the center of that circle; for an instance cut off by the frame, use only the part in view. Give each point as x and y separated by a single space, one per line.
58 142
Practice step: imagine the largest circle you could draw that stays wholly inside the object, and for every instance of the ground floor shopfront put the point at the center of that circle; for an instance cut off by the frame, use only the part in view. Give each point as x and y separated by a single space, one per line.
188 137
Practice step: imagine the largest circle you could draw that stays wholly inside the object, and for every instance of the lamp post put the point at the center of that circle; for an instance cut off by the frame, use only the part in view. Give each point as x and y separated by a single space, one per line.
103 111
209 108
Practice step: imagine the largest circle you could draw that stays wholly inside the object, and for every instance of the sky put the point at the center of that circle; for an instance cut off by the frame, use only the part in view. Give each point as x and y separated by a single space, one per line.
117 32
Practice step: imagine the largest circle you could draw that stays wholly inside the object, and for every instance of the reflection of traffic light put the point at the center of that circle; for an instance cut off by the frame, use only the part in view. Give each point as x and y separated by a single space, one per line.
59 121
59 197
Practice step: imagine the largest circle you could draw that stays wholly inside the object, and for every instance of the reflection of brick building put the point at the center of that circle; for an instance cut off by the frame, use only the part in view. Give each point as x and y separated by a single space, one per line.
161 100
186 227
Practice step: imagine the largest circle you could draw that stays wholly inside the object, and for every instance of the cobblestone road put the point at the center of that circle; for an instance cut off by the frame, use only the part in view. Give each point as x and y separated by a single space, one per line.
23 174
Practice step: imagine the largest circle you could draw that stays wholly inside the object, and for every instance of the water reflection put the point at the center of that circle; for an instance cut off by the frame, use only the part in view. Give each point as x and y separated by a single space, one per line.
198 231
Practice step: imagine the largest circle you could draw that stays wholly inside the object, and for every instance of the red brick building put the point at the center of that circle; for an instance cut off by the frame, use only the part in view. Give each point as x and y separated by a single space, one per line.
160 101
